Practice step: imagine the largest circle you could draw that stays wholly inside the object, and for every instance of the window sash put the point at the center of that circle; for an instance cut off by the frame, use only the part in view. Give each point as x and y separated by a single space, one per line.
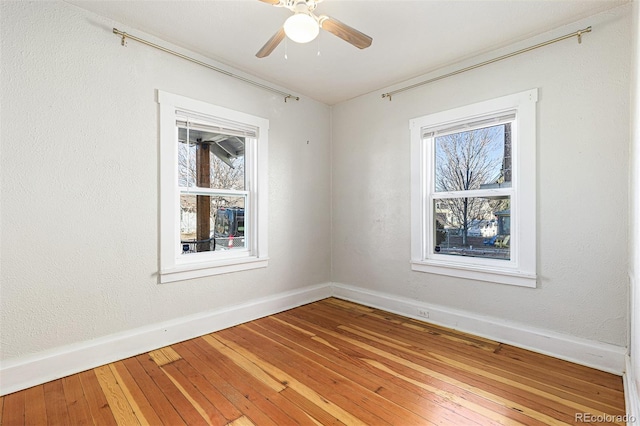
430 133
485 120
214 124
476 193
194 190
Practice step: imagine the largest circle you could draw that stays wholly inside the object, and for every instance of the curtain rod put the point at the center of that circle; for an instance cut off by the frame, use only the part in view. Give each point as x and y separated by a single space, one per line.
124 36
578 34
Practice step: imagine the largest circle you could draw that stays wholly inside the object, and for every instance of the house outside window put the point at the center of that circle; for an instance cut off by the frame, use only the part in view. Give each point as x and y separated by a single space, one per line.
473 191
213 189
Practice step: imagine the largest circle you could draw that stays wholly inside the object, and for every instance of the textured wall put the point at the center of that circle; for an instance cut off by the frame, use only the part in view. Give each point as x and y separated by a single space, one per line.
582 157
79 219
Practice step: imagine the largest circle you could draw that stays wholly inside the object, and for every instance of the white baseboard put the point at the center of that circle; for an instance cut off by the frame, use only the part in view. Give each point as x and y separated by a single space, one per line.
631 396
39 368
598 355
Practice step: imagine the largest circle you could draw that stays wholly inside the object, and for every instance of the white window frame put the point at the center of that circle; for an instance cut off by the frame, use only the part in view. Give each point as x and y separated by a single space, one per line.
174 265
520 270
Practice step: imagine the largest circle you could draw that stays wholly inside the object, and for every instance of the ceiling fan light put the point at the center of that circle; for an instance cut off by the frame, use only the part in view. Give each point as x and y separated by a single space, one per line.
301 28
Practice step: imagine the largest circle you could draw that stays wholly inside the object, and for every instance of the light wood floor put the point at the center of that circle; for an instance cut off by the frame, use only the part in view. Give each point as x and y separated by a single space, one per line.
331 362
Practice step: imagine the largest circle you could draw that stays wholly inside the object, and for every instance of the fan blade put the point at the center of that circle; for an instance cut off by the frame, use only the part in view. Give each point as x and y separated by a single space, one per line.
271 1
270 45
345 32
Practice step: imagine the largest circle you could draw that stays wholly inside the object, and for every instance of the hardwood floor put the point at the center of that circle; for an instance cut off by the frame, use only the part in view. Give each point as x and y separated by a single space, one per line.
331 363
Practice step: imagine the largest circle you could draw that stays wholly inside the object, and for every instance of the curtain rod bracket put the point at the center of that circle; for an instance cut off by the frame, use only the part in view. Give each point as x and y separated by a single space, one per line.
386 95
296 98
123 40
579 33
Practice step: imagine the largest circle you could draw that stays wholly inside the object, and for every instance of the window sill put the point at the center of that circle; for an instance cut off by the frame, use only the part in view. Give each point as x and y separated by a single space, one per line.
477 273
205 269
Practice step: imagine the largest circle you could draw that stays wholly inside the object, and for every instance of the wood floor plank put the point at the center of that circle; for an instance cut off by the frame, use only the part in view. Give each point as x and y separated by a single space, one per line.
306 385
561 385
115 396
245 364
314 347
360 406
553 401
320 399
207 410
505 387
125 394
164 356
391 321
233 369
556 383
209 391
448 396
388 325
35 411
331 362
475 376
321 415
366 398
498 406
578 385
77 405
13 409
203 362
55 403
242 421
444 403
568 403
143 411
98 405
430 412
157 400
566 368
183 406
357 371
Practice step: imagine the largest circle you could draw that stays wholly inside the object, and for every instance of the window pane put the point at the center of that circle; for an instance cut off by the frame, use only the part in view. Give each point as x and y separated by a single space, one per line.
475 159
476 227
211 223
210 160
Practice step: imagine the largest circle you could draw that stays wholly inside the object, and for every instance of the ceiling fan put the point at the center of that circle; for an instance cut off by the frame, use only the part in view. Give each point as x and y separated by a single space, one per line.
304 26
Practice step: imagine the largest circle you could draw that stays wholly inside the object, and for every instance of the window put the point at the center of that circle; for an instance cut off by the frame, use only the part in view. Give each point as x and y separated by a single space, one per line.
473 198
213 164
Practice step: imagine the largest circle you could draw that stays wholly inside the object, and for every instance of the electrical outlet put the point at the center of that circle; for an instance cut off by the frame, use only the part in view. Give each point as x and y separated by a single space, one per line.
423 313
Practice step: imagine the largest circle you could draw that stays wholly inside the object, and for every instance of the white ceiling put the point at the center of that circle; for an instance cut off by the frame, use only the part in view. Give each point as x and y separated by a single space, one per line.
410 38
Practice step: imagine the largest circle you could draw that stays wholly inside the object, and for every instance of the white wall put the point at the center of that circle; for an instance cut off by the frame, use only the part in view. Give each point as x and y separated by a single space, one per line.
79 219
583 147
